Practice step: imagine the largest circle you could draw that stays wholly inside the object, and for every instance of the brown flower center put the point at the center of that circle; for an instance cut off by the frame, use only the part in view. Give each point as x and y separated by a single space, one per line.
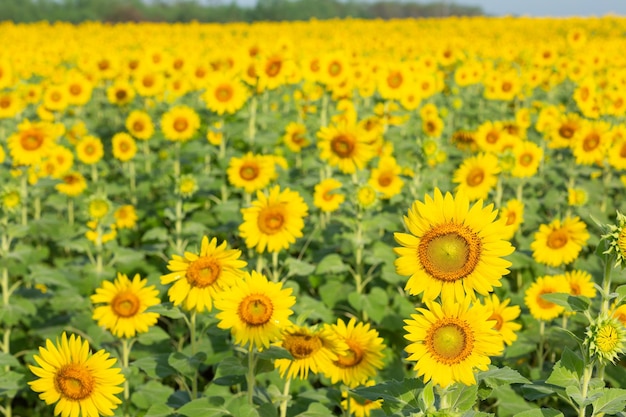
272 68
125 304
224 93
249 172
203 272
394 80
343 145
591 142
475 177
75 89
302 346
557 239
32 140
271 220
120 94
566 131
74 382
138 126
180 124
256 309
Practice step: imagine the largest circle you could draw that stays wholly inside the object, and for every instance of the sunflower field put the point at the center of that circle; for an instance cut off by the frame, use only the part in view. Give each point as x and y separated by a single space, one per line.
323 218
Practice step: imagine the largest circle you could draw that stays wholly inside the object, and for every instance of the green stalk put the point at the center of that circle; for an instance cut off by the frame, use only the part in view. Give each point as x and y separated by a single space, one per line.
606 283
133 182
285 400
125 361
24 197
542 334
70 211
146 157
585 387
250 377
178 225
252 120
194 347
274 266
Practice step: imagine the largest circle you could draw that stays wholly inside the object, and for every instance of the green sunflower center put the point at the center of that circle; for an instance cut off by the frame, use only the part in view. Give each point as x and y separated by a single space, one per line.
256 309
74 382
608 339
302 346
203 272
449 252
125 304
450 342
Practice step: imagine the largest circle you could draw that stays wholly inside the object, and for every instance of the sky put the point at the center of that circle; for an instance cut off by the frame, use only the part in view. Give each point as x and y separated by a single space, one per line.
554 8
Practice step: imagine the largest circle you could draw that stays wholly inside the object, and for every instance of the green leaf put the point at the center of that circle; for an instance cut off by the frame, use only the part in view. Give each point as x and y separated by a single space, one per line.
230 371
167 310
333 291
395 394
157 234
500 376
331 264
154 335
155 366
621 294
544 412
567 371
10 383
186 365
202 407
160 410
463 397
299 268
274 352
427 397
570 302
509 402
6 359
151 393
612 401
316 410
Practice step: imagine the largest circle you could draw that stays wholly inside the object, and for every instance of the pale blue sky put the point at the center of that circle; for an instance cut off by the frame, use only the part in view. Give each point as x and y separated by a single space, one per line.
526 7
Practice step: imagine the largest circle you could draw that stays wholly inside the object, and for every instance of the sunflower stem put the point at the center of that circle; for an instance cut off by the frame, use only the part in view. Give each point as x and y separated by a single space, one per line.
94 173
99 249
606 283
285 400
146 157
37 207
275 266
252 120
133 182
178 225
125 362
192 337
70 211
24 197
584 388
250 377
542 331
324 113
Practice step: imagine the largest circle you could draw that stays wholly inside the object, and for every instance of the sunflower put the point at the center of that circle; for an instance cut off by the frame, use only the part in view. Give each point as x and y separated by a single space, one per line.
124 313
31 143
580 283
477 175
385 178
364 356
274 221
450 340
489 136
325 196
199 278
124 146
605 339
148 83
225 95
366 196
125 217
562 131
559 242
453 249
255 310
539 307
294 137
120 93
180 123
89 150
72 184
503 316
577 196
139 124
619 312
81 383
251 172
10 198
512 216
528 156
591 143
187 186
79 89
432 126
345 146
393 81
312 351
63 158
55 97
10 105
617 154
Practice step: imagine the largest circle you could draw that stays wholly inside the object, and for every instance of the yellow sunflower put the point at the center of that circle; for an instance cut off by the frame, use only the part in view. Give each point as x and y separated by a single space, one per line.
139 124
512 216
363 358
385 178
326 197
452 249
580 283
72 184
10 105
124 146
528 156
199 278
274 221
490 135
251 172
124 313
559 242
539 307
294 137
591 143
449 341
89 150
312 351
63 158
81 383
255 310
503 316
346 147
477 176
120 93
180 123
125 217
55 97
79 89
225 95
31 143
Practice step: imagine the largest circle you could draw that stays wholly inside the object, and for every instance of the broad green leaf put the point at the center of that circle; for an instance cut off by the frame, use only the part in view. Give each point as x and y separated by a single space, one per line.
570 302
427 397
299 268
6 359
155 365
167 310
230 371
567 371
396 395
151 393
202 407
186 365
333 291
10 383
463 397
154 335
331 264
158 234
611 401
499 376
376 303
274 352
509 402
543 412
316 410
621 294
160 410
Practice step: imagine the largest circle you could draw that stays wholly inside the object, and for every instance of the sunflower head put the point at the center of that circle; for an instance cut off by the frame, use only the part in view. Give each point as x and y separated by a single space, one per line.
98 207
605 339
616 240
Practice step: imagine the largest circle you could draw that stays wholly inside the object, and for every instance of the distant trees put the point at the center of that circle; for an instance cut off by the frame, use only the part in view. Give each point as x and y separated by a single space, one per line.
76 11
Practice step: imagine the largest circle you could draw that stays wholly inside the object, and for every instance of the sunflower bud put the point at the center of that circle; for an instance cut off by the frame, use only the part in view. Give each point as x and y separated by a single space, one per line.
616 240
605 339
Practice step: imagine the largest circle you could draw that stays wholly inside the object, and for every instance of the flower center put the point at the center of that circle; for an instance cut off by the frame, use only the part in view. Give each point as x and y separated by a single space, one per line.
511 216
385 179
224 93
342 145
302 346
31 141
249 172
492 137
352 357
608 339
273 67
525 159
394 80
557 239
566 131
74 382
75 89
507 86
203 272
498 319
148 81
256 309
138 126
449 252
5 102
125 304
55 96
334 68
475 177
120 94
591 142
180 124
450 341
124 147
271 220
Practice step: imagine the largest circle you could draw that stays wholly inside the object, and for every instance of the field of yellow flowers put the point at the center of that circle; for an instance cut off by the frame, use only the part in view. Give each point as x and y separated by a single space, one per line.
324 218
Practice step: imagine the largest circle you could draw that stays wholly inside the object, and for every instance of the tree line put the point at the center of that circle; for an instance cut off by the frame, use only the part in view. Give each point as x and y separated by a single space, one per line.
76 11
